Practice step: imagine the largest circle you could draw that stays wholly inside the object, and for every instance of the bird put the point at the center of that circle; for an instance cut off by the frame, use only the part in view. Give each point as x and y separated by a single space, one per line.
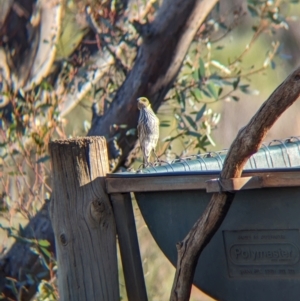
148 129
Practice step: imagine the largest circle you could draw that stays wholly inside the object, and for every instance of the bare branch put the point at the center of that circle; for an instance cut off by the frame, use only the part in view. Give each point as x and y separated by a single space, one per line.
247 142
157 64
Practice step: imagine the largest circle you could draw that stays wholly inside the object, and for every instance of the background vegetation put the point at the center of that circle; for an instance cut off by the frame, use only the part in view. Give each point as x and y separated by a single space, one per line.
56 84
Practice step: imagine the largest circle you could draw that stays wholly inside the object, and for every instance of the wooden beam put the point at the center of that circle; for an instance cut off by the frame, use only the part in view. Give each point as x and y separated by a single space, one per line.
129 247
159 183
121 184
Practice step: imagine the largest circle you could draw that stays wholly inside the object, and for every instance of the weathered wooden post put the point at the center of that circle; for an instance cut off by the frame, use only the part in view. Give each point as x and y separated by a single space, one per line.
83 221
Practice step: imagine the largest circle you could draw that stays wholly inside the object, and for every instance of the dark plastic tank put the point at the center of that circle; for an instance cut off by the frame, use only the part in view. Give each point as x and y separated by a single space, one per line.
255 255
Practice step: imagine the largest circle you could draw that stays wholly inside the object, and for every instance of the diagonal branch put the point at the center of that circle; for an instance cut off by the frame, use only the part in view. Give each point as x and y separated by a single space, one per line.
246 143
160 57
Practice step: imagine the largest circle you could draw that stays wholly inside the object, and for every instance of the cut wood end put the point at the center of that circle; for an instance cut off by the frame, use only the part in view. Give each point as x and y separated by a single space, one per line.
77 141
234 184
76 144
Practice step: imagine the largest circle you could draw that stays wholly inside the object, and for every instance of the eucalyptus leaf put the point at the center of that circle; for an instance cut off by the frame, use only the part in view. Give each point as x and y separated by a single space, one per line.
253 11
236 83
44 243
245 89
131 132
220 91
29 279
43 159
273 65
197 94
194 134
46 252
201 68
206 93
165 123
211 88
44 262
22 93
182 102
191 121
196 75
200 113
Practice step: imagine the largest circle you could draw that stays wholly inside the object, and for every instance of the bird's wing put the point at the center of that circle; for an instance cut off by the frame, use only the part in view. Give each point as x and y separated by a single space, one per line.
139 130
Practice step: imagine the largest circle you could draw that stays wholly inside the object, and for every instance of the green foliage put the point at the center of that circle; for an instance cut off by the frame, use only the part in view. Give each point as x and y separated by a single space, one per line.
47 290
25 134
207 77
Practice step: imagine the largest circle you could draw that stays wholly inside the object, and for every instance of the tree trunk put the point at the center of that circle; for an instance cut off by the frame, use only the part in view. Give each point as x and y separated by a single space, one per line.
166 42
83 221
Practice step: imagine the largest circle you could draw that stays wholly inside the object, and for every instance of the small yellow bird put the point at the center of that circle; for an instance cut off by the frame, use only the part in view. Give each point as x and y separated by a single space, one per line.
148 129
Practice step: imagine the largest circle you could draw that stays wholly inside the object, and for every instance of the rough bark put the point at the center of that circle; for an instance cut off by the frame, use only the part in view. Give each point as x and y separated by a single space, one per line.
165 44
246 143
83 221
27 54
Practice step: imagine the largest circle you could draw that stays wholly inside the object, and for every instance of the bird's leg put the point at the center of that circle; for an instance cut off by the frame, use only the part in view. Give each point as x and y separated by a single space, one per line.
147 164
144 165
139 170
156 157
146 161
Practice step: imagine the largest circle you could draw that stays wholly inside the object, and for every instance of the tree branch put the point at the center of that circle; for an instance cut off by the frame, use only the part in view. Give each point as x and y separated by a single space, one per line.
157 64
246 143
